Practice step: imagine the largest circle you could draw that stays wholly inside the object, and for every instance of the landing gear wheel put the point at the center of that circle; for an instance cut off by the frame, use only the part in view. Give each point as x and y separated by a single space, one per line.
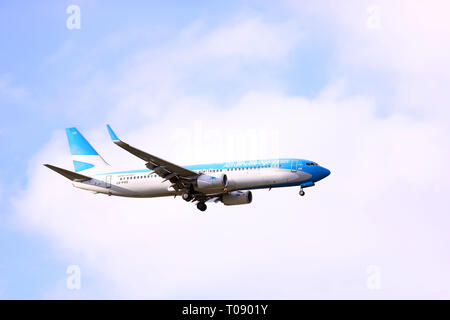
187 196
201 206
302 193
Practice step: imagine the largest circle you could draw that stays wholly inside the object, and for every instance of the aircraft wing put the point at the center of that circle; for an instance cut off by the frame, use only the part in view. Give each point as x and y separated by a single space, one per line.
165 169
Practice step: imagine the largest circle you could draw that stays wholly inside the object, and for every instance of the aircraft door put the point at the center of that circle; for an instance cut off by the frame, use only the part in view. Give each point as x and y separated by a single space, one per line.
108 181
294 164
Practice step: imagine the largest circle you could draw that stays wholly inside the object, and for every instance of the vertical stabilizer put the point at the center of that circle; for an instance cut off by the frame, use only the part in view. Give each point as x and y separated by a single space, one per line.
84 155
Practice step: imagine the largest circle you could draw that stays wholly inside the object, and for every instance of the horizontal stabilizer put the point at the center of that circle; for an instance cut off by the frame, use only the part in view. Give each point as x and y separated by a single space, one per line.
68 174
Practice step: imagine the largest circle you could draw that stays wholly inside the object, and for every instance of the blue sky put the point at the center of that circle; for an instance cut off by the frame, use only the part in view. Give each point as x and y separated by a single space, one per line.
31 34
151 65
51 80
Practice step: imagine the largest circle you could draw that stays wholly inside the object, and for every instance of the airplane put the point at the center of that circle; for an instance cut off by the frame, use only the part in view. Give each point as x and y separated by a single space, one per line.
229 182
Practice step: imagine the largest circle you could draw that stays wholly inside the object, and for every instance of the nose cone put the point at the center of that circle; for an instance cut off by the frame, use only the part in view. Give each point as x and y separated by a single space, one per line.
323 173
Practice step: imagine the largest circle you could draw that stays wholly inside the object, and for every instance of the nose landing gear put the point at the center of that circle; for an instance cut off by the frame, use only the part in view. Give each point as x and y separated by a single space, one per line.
301 192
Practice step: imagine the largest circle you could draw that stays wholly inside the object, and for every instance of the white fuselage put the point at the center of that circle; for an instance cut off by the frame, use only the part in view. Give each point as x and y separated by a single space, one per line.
145 183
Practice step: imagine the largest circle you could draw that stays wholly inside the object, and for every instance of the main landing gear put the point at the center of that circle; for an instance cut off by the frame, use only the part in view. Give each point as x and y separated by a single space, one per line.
301 192
201 206
187 196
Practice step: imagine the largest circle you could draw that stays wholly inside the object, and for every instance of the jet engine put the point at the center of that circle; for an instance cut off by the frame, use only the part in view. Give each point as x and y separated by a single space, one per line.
237 197
206 183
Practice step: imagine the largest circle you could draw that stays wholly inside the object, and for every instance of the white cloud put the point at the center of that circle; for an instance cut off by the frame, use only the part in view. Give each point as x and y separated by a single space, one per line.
246 39
382 205
8 91
159 75
369 209
404 61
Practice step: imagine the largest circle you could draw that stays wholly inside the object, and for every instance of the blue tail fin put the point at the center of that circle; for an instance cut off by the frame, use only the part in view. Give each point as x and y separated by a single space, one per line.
84 155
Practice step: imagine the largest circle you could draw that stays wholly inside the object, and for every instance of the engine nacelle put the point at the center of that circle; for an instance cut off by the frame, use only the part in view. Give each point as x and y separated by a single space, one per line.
237 197
206 183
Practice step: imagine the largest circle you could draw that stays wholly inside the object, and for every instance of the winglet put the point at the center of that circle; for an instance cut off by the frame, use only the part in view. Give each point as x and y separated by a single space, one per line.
112 134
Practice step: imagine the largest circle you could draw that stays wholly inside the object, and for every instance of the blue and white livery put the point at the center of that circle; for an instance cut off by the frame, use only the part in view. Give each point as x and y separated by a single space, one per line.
228 182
